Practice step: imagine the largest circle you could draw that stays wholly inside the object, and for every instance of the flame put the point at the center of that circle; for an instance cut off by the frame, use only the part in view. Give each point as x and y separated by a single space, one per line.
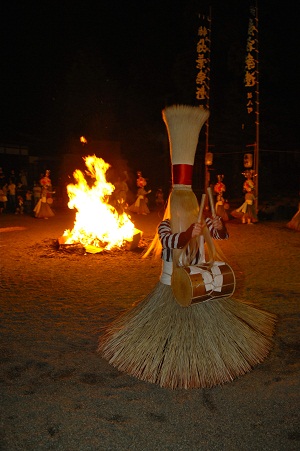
83 140
97 223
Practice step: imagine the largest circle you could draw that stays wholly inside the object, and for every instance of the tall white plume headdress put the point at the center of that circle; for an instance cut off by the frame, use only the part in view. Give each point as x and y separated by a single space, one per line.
183 124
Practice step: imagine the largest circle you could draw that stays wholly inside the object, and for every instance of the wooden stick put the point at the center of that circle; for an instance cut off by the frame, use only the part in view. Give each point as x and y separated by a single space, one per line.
201 207
212 203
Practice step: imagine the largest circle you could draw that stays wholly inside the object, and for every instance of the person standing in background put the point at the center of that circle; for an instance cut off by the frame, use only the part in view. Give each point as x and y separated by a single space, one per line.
28 202
3 200
12 200
36 191
219 189
247 211
140 206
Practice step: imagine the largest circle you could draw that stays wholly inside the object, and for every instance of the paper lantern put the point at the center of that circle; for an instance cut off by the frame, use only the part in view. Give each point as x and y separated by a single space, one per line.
248 160
209 159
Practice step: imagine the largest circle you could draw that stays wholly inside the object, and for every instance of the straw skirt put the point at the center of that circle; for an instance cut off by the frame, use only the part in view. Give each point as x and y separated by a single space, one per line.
203 345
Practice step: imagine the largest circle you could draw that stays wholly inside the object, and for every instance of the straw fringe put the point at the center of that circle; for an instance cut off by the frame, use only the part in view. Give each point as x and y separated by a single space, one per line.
294 223
203 345
183 125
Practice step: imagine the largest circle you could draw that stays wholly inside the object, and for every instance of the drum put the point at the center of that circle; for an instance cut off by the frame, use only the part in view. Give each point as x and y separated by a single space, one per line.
49 200
200 283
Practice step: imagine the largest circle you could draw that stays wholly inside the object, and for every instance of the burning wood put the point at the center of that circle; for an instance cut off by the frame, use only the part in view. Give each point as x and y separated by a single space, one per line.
98 226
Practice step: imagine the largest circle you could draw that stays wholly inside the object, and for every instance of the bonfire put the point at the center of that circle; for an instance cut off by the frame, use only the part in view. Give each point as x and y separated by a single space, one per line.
98 225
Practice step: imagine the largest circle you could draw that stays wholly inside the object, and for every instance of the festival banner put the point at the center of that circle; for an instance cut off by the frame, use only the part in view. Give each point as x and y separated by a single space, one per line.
251 62
203 61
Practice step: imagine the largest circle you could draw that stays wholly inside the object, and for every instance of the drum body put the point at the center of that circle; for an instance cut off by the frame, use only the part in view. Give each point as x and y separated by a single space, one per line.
200 283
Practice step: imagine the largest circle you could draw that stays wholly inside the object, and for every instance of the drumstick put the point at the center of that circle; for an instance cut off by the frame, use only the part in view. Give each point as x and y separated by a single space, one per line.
201 207
211 200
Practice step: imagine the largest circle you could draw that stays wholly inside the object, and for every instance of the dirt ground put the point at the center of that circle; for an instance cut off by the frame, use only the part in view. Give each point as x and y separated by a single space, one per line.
57 393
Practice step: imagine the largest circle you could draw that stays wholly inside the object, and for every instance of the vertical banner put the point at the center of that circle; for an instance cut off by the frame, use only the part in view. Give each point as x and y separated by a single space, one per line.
252 87
203 62
203 81
251 63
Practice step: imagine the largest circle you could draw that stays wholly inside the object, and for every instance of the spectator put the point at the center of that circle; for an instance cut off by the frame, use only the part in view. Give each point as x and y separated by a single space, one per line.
36 191
2 177
159 199
2 200
20 206
23 179
28 202
12 200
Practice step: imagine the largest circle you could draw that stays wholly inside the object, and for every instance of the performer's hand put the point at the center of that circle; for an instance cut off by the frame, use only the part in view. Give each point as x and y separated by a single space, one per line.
217 223
197 229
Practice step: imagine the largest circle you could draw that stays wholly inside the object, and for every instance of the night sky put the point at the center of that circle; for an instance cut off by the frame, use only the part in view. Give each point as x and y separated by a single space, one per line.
108 68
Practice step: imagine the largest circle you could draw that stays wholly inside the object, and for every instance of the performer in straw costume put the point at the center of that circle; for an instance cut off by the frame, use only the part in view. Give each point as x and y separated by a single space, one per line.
247 211
220 189
42 209
140 206
204 344
294 223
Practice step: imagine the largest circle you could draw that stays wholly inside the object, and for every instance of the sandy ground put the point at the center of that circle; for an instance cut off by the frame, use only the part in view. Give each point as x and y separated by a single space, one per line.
57 393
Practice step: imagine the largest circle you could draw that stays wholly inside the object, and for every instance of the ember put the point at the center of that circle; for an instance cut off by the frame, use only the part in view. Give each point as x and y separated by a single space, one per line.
98 226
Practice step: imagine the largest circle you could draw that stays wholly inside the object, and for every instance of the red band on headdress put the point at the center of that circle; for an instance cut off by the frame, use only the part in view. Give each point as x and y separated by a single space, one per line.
182 174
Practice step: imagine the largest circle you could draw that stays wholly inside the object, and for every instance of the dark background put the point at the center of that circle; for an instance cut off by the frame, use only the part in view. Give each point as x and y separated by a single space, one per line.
106 69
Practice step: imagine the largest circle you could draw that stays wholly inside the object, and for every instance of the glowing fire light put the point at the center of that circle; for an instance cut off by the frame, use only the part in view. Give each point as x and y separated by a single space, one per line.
83 140
97 223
